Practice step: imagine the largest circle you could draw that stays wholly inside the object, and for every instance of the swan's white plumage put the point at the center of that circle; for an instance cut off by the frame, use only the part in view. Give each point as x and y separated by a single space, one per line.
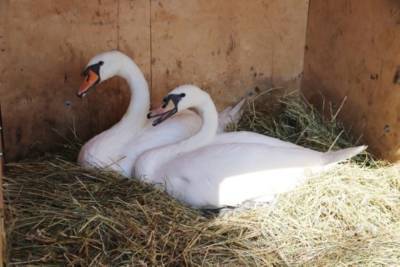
228 174
215 171
120 155
118 147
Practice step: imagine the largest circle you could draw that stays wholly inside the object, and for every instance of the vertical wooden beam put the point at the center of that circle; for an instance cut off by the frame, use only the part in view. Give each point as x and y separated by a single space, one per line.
2 230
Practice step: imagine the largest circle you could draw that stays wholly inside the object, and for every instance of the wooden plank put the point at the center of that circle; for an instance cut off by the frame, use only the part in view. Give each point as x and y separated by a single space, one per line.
46 44
353 52
227 47
2 218
3 51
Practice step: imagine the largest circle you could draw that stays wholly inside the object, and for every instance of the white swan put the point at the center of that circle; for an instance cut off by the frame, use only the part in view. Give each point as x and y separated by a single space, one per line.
118 147
206 170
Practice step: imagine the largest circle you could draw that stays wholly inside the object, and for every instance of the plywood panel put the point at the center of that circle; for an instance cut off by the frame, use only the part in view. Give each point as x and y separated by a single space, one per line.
2 229
44 47
227 47
353 52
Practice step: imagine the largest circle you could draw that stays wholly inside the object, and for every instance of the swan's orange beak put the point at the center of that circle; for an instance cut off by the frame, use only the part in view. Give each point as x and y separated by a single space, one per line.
161 114
165 107
90 81
167 110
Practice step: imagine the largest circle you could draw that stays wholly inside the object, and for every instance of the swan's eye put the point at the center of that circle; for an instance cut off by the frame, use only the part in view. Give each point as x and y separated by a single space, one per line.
95 68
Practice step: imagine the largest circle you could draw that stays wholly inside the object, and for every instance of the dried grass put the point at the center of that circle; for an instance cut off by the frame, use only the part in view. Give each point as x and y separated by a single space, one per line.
60 214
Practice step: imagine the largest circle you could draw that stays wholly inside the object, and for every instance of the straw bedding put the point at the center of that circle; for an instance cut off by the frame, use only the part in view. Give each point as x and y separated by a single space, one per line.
60 214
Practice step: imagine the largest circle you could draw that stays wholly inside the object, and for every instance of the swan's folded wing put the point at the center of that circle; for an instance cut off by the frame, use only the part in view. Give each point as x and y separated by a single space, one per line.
228 174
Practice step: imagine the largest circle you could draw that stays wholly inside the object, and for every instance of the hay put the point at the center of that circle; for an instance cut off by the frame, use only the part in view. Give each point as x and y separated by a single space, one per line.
292 118
60 214
65 214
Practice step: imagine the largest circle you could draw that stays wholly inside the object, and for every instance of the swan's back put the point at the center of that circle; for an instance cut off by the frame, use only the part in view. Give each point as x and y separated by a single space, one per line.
228 174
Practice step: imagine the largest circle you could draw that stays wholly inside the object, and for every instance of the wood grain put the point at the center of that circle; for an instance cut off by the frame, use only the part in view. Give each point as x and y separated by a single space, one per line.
226 47
2 229
353 51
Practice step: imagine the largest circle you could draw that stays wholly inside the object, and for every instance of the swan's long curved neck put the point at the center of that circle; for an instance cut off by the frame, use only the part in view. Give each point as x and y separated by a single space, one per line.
139 104
204 136
207 132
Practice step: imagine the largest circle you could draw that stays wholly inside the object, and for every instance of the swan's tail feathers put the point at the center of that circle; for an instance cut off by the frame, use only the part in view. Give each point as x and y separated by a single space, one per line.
231 114
236 112
334 157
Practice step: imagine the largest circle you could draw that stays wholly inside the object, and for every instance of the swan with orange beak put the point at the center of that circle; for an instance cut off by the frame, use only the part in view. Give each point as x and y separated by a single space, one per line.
92 78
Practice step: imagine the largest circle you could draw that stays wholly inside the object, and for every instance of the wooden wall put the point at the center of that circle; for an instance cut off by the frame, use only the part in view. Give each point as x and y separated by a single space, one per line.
353 50
226 46
46 45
